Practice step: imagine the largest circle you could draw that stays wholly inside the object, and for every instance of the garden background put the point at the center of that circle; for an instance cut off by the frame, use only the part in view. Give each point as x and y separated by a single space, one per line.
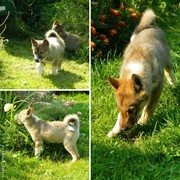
17 147
32 19
148 152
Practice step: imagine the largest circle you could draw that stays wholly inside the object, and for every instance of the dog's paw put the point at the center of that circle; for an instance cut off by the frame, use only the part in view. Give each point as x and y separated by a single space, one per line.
39 68
111 134
142 122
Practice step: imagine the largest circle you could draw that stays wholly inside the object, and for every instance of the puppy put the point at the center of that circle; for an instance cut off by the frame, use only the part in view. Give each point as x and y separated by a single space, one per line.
50 50
145 60
66 131
72 41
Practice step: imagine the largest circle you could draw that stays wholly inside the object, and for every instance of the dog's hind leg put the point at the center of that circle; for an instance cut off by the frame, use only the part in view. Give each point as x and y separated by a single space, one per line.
168 70
150 107
72 149
38 147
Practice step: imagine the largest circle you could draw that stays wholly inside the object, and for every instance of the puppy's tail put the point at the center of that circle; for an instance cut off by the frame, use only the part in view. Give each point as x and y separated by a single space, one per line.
52 33
72 122
147 20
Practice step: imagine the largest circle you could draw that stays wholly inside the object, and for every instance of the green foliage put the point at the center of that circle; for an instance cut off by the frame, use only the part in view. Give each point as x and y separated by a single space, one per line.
18 148
113 22
48 106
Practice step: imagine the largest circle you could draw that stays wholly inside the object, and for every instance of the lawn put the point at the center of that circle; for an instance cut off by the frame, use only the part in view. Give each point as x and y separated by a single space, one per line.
148 152
18 71
17 65
17 147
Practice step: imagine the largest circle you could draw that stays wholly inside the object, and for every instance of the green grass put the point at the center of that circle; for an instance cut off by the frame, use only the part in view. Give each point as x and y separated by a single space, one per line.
17 147
148 152
17 66
17 70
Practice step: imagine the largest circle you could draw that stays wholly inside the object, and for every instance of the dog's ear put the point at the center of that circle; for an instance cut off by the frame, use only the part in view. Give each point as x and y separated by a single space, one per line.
137 83
55 23
30 109
34 42
45 42
114 82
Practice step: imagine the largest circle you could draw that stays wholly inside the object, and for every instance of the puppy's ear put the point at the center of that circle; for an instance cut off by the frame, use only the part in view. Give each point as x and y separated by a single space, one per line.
30 110
34 42
137 82
114 82
45 42
55 23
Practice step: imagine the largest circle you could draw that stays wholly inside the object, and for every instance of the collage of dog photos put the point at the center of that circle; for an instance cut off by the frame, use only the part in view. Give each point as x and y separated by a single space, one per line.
89 90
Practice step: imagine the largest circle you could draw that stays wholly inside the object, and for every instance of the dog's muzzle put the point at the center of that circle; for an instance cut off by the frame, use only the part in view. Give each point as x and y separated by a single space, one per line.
37 58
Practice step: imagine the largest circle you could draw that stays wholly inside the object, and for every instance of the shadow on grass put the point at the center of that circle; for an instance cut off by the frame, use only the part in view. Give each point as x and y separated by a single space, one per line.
64 79
19 48
123 161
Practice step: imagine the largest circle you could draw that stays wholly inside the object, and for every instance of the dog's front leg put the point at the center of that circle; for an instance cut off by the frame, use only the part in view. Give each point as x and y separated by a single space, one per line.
53 70
116 129
40 68
38 147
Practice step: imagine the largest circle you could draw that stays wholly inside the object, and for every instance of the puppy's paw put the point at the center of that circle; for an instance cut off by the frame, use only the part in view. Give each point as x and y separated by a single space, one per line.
142 122
111 134
39 68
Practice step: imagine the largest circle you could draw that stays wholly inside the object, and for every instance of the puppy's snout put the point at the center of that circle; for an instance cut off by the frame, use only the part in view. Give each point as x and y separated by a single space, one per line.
37 60
16 117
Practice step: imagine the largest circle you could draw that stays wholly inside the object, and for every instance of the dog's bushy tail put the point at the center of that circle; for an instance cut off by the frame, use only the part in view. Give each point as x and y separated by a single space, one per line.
51 33
72 122
147 20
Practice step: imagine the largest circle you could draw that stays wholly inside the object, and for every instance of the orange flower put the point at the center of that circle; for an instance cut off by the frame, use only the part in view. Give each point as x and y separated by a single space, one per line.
122 7
93 31
93 45
121 23
113 32
115 12
103 18
102 37
134 15
131 10
106 41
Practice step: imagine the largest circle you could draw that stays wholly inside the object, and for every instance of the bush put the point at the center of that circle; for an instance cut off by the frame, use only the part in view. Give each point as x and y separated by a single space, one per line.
113 22
111 28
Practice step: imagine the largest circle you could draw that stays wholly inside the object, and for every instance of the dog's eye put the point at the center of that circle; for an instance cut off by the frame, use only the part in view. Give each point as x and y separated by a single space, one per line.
35 52
41 52
131 109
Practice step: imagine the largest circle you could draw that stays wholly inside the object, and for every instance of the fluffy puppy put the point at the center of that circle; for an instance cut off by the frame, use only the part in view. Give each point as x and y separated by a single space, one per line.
66 131
50 50
145 60
72 41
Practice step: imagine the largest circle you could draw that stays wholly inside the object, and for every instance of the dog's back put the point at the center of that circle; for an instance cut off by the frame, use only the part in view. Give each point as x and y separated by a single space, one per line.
148 53
72 41
56 45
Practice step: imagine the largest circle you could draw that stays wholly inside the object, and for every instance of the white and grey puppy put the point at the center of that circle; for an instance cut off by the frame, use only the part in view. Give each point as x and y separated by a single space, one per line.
72 41
66 131
50 50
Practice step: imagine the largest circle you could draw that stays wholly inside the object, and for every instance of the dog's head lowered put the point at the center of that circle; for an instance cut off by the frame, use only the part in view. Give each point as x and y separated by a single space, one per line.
130 97
40 49
25 114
